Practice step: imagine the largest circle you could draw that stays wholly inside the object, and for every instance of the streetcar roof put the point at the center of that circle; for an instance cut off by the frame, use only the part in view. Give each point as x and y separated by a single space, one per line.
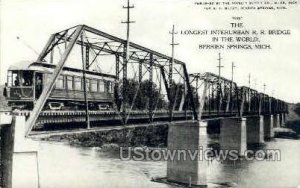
45 67
20 65
70 69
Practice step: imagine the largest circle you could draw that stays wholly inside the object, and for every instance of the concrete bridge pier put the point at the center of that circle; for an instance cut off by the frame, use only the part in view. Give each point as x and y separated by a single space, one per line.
284 115
189 137
255 129
233 134
276 120
19 155
6 134
268 126
282 119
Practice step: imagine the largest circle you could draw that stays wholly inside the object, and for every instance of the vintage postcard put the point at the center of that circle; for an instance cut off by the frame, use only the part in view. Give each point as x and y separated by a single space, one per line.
136 93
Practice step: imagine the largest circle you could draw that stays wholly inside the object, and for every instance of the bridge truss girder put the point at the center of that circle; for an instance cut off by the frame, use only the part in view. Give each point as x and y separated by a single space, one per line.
222 97
99 43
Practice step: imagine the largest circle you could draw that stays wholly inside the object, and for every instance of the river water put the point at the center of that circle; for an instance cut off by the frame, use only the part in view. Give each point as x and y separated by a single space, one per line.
64 166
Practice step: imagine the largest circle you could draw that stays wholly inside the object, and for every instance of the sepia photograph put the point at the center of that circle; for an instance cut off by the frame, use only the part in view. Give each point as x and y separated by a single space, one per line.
149 94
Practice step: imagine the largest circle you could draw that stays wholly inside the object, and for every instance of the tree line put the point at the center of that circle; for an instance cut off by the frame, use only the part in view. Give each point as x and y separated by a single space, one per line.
138 96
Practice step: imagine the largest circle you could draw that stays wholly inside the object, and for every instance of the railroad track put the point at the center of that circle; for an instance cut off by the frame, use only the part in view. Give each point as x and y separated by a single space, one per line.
63 117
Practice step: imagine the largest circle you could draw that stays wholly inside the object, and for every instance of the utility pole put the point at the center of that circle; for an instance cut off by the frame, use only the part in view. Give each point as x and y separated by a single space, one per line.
232 68
257 98
264 100
126 60
219 81
231 85
249 80
249 94
219 68
87 118
173 44
128 22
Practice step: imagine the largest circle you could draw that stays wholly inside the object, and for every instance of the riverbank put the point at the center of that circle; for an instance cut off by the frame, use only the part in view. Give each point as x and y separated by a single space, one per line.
293 118
294 125
285 133
151 135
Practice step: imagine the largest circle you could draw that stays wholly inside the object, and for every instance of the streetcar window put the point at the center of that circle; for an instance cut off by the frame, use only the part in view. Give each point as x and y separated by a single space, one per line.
16 80
27 78
69 82
112 87
38 84
108 87
9 79
87 84
77 83
60 83
94 85
20 78
101 86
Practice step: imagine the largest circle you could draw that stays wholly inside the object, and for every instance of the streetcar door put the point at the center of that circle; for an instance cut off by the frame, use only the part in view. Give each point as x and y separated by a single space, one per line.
38 84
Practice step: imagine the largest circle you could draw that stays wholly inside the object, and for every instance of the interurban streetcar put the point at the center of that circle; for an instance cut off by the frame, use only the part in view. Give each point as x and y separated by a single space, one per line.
25 84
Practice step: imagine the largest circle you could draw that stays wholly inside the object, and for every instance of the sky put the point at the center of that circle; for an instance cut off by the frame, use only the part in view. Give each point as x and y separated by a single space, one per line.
33 21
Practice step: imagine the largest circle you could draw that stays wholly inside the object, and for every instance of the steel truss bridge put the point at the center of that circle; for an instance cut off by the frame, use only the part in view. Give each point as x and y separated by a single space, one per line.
187 96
